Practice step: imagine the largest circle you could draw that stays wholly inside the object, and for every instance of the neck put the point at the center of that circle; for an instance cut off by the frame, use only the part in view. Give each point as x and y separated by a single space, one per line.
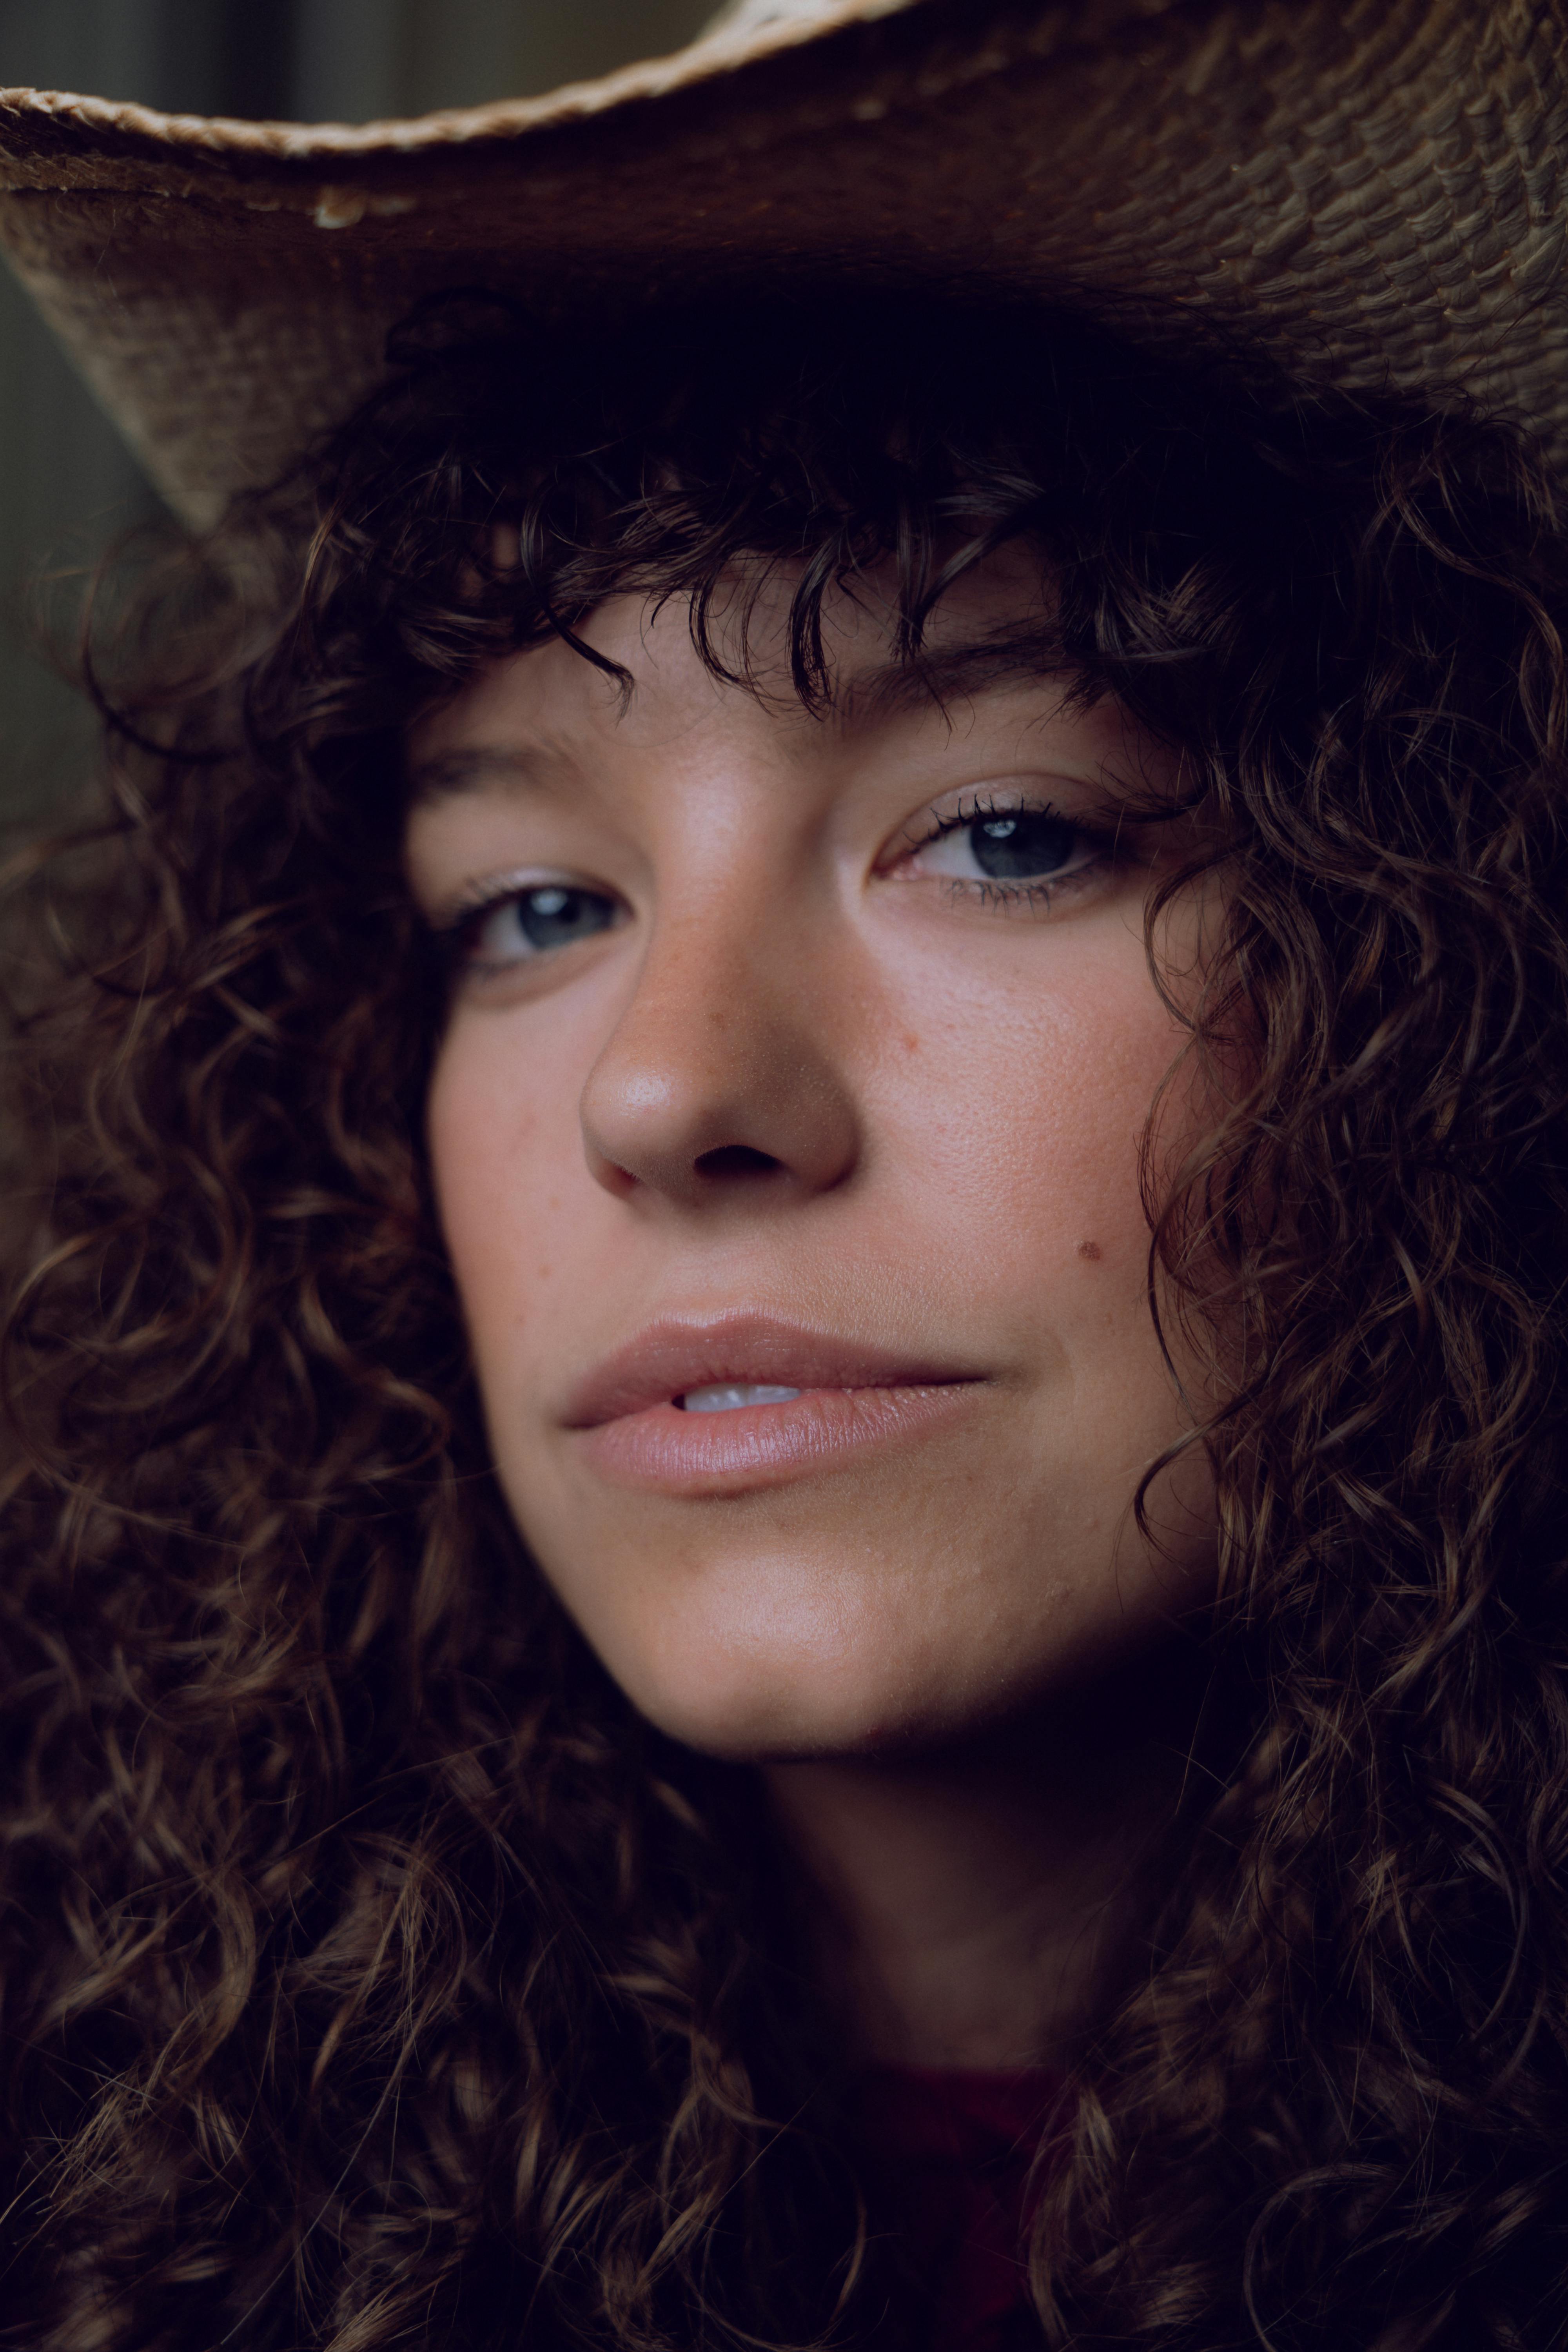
975 1906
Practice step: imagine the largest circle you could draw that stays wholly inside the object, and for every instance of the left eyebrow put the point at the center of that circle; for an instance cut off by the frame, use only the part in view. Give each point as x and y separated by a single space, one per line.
947 672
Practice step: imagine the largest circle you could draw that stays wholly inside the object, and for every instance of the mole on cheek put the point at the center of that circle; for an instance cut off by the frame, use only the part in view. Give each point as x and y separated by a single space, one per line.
1088 1249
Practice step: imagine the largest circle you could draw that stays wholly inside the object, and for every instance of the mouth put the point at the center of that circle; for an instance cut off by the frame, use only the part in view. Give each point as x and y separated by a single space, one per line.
732 1396
745 1400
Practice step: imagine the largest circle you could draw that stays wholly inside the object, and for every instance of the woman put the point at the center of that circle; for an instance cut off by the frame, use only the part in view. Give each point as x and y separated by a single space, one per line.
785 1527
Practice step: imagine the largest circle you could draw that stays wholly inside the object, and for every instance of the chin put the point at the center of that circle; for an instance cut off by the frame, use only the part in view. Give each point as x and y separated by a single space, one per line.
764 1719
750 1701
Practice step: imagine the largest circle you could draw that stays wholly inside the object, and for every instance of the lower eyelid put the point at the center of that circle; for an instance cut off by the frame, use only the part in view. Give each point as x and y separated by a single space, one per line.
989 891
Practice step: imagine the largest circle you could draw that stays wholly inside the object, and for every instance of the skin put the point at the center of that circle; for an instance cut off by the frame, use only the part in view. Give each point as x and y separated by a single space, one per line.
818 1068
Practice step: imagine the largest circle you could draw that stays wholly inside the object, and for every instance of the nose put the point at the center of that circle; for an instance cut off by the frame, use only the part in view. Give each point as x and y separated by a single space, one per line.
720 1077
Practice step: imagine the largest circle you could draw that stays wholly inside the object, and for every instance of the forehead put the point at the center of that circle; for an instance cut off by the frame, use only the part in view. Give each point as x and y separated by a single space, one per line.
990 629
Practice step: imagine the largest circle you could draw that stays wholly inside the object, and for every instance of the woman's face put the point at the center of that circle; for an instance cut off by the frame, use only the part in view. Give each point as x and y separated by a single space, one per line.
785 1135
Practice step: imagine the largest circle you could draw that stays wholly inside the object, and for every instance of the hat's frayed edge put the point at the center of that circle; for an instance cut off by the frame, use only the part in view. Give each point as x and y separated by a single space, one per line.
712 55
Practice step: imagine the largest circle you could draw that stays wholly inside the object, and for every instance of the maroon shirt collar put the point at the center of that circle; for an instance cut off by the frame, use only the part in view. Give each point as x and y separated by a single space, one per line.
948 2153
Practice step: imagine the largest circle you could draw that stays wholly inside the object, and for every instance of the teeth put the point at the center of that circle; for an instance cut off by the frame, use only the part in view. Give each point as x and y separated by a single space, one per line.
727 1396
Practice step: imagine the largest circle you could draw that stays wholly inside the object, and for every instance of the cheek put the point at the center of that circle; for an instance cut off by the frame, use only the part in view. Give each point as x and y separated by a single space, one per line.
506 1156
1021 1118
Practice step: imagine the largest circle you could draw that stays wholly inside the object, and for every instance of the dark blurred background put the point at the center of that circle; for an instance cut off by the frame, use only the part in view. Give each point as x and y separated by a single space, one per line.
67 486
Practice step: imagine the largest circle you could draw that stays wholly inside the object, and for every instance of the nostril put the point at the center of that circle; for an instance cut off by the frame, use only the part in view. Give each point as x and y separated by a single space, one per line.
733 1161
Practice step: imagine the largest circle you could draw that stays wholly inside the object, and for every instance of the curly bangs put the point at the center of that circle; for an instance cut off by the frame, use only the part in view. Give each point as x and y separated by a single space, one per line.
371 1976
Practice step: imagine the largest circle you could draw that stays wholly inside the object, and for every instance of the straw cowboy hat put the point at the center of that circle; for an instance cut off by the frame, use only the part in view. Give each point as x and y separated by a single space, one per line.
1373 190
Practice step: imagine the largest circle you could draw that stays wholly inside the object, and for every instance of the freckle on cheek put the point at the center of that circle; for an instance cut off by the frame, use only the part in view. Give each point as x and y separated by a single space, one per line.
912 1044
1088 1249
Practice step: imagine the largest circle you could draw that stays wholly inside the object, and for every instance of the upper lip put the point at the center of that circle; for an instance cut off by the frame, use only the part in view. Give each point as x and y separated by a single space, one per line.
671 1357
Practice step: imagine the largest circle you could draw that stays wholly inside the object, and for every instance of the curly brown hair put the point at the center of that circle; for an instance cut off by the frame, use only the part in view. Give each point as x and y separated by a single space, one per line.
372 1976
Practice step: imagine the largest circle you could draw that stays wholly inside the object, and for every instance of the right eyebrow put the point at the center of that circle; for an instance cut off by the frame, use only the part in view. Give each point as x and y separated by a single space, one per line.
477 768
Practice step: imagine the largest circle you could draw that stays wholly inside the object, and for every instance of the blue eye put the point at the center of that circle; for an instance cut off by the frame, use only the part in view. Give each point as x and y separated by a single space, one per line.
531 922
1005 844
1027 844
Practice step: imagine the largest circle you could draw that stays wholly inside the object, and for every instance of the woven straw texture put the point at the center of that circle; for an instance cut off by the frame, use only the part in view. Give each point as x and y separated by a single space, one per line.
1371 189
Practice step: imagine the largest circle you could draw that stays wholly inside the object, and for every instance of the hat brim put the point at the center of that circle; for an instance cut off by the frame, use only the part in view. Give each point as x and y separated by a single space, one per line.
1374 193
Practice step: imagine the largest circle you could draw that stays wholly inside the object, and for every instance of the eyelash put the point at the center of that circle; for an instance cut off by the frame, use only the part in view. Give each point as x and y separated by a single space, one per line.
993 892
452 937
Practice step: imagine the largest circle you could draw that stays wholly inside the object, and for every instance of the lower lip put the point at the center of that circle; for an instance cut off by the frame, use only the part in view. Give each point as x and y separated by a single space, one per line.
764 1445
